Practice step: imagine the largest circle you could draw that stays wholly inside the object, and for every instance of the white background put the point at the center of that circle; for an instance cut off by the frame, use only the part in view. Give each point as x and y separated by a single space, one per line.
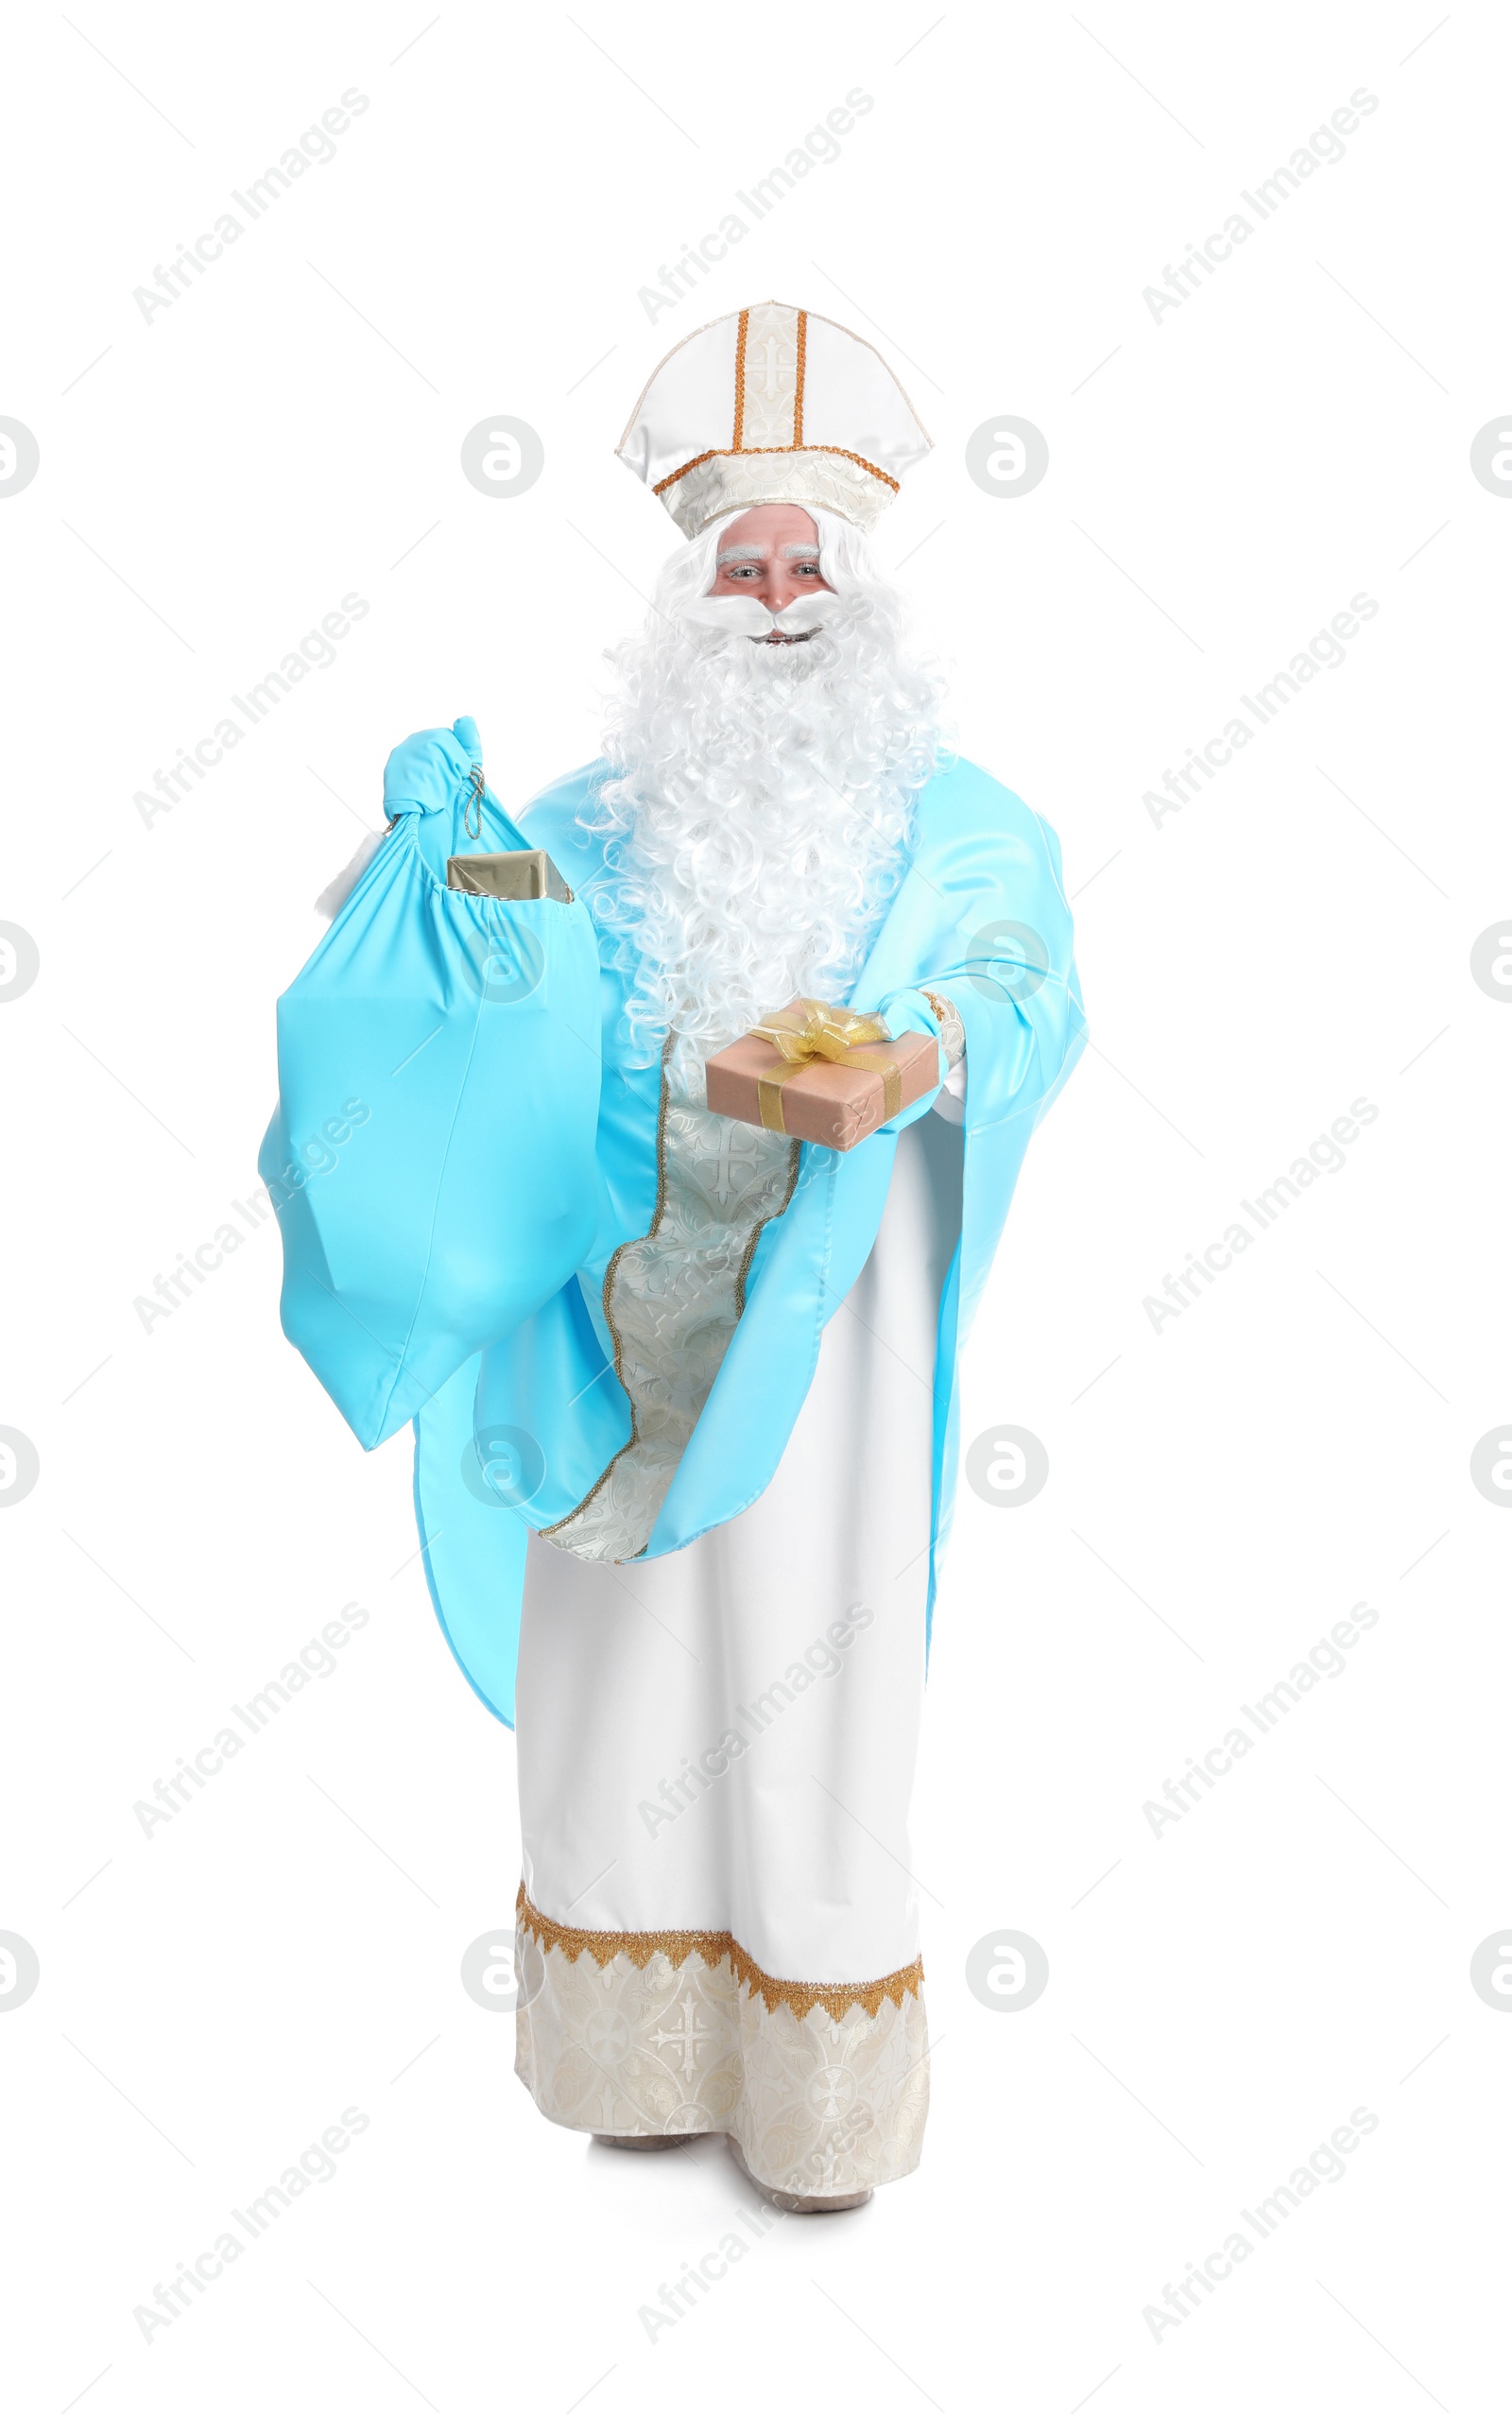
1222 1491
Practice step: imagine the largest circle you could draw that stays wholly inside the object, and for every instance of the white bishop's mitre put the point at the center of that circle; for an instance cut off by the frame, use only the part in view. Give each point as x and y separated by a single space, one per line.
773 406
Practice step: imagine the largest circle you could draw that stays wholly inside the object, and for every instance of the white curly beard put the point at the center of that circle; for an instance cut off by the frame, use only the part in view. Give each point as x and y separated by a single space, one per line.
761 801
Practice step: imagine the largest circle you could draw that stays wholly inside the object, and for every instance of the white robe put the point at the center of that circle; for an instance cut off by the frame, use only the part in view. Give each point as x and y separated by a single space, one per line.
736 1944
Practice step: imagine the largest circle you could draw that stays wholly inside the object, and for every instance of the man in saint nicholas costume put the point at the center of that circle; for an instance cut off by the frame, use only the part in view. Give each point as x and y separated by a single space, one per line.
717 1468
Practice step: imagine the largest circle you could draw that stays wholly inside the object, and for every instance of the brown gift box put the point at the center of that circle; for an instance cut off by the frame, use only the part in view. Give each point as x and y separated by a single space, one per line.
829 1104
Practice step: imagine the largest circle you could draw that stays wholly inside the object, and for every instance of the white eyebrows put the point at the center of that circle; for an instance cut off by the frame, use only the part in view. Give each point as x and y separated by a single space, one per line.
794 549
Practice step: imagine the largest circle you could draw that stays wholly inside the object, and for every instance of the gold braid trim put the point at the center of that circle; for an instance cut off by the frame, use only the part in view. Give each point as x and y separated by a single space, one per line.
798 393
752 1245
740 381
714 1948
808 448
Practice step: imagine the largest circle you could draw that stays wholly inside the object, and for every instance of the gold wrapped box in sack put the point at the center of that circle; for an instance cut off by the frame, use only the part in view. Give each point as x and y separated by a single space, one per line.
511 876
815 1073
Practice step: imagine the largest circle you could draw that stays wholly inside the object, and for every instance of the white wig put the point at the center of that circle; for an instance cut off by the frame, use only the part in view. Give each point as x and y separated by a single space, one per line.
760 798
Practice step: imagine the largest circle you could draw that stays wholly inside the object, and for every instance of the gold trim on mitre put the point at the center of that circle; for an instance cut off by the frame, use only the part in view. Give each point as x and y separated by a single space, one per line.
727 481
790 387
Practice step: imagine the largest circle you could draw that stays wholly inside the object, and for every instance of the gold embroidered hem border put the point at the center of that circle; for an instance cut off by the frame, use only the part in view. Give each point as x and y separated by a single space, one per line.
835 1998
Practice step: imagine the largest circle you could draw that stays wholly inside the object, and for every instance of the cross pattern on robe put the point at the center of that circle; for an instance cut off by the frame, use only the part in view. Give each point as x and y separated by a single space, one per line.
832 2090
722 1186
685 1290
727 1168
687 2039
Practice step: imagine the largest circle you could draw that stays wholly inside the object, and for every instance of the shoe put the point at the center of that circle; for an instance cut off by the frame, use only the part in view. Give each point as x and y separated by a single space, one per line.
645 2142
802 2204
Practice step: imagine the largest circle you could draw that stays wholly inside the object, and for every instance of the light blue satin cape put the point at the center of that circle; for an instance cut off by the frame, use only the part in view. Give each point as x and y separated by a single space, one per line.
524 1423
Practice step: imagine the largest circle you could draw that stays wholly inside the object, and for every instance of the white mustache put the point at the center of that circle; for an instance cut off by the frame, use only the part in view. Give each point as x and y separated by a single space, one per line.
807 613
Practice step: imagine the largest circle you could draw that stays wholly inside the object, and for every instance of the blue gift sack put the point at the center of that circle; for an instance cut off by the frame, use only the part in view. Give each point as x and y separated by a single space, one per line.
431 1159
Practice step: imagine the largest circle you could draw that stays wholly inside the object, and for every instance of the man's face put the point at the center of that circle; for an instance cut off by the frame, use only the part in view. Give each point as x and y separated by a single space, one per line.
772 555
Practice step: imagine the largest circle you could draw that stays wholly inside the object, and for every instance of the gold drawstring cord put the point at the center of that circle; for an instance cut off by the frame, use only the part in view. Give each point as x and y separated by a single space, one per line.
475 801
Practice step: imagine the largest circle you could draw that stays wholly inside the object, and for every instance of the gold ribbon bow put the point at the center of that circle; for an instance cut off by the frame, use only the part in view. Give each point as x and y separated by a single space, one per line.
824 1035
